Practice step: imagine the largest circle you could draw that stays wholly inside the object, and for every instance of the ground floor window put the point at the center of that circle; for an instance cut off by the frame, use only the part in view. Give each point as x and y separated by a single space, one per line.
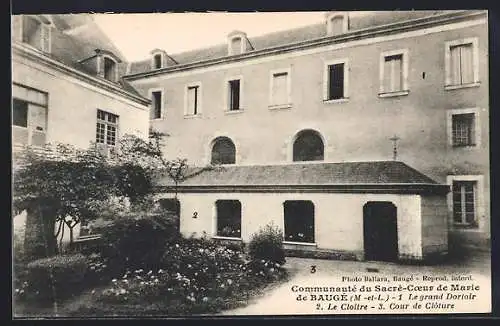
228 218
299 221
464 202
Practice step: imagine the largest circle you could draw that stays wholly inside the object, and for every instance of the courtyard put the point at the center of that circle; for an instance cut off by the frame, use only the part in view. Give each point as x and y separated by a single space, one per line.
281 300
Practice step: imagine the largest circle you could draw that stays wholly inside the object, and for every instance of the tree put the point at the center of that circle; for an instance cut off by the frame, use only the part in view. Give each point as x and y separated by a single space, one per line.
56 182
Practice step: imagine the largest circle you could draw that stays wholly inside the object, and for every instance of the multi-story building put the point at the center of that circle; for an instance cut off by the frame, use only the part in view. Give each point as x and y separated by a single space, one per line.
67 86
354 88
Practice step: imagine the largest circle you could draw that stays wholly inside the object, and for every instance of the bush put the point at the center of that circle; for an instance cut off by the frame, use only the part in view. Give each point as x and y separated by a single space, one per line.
196 276
137 241
57 277
267 245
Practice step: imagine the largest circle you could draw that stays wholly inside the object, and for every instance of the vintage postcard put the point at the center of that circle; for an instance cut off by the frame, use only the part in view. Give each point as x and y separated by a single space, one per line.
237 164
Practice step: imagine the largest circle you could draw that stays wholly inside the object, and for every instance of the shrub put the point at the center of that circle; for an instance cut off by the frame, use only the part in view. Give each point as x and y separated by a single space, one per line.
57 277
137 241
196 276
267 245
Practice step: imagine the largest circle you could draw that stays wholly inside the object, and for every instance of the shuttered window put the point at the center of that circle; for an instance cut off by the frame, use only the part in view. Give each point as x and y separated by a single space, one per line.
393 73
279 89
29 115
461 64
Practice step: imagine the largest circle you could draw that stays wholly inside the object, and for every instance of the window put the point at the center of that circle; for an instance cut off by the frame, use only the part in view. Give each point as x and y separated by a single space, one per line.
464 202
335 81
20 113
236 45
394 73
36 33
107 126
463 127
308 146
461 63
228 218
156 105
299 221
157 61
234 87
336 26
223 151
193 99
29 115
280 91
109 69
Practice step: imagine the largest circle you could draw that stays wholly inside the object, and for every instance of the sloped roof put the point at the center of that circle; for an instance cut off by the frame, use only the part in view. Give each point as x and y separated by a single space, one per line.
345 173
76 37
291 36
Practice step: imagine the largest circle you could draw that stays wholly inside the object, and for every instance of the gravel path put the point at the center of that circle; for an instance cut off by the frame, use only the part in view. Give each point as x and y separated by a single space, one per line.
282 300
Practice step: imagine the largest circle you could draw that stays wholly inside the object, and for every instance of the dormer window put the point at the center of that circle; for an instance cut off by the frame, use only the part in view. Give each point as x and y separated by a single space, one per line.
336 23
157 61
36 32
109 69
160 59
237 43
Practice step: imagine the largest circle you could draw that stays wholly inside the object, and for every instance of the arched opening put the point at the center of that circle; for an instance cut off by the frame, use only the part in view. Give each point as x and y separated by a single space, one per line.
299 221
223 151
380 231
308 146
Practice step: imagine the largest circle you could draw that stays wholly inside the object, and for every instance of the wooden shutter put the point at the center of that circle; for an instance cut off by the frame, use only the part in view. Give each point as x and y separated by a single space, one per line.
280 89
466 64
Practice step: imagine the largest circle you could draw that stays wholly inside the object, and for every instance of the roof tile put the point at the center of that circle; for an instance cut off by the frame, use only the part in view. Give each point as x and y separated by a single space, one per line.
361 173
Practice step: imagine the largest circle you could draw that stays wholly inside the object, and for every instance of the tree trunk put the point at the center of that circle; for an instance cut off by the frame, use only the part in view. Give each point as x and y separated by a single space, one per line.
40 240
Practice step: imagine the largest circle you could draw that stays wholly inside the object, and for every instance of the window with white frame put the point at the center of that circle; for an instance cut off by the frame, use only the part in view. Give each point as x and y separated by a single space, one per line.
464 202
394 73
280 88
335 80
106 128
228 218
29 115
461 64
36 33
156 111
463 127
234 94
193 99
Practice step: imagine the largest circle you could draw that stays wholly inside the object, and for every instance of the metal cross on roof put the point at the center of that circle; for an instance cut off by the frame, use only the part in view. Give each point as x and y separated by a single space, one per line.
394 140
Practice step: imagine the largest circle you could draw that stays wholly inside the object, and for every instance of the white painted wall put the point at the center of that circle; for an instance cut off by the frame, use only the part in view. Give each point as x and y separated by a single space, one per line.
434 224
338 217
73 104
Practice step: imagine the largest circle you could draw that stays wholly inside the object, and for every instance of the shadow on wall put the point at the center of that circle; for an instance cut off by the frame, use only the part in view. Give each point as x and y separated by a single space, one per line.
463 245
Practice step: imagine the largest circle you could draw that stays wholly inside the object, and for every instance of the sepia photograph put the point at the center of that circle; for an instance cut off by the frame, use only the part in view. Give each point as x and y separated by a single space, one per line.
225 164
